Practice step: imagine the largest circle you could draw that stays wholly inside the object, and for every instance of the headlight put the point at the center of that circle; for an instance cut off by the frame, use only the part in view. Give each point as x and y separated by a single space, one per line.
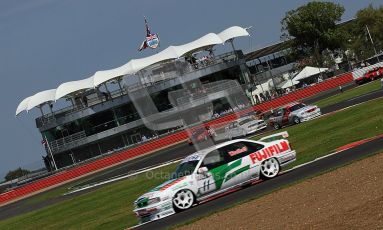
143 202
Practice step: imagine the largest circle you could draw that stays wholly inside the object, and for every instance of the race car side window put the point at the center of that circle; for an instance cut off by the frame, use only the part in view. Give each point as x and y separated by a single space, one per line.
253 147
280 112
241 149
214 159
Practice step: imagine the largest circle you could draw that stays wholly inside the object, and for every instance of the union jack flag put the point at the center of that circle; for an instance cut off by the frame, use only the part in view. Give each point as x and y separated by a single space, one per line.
43 142
151 40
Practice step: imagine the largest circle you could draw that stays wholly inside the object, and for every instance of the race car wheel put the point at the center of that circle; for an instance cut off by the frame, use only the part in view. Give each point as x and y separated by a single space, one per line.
297 120
183 200
269 168
276 126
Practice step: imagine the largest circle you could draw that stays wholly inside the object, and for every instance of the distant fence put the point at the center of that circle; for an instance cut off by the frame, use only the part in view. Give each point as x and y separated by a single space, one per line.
160 143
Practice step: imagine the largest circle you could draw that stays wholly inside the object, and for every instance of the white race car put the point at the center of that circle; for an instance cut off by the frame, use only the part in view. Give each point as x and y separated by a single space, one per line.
215 170
244 126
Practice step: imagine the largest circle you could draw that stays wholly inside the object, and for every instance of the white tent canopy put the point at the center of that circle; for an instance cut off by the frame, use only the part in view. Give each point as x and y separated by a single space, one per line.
309 71
41 98
103 76
167 54
261 88
288 83
210 39
232 32
73 86
22 106
133 66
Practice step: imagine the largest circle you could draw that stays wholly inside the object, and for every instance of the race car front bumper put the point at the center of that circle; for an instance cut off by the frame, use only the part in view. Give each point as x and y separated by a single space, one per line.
256 128
155 211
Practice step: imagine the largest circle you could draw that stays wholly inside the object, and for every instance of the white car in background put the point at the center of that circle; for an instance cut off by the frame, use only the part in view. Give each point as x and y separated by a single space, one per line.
214 170
244 126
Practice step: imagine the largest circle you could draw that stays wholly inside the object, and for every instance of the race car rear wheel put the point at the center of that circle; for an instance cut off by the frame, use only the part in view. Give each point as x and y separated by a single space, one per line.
297 120
183 200
269 168
276 126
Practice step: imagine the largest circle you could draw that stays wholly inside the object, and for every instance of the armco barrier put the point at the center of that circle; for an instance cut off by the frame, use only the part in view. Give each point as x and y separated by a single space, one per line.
162 142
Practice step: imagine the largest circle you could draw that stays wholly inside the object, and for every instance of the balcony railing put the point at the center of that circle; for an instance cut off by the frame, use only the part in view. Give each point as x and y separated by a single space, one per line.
58 144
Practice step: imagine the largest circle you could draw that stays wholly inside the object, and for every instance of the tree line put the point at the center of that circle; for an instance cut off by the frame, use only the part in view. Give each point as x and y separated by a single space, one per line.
14 174
316 34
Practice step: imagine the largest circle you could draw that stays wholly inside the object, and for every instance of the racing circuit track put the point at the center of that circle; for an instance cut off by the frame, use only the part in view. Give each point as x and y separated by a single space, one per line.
182 150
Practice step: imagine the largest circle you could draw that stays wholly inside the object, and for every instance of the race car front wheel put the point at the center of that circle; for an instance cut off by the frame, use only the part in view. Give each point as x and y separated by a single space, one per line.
269 168
276 126
297 120
183 200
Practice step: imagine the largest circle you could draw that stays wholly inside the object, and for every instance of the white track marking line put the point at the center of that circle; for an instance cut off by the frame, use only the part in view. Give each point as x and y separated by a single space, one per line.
310 162
360 96
143 170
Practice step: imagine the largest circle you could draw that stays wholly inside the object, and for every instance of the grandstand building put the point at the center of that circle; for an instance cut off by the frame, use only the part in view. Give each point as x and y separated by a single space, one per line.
102 113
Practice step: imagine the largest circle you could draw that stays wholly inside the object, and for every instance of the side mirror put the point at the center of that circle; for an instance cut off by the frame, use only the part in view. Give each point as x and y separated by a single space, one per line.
202 171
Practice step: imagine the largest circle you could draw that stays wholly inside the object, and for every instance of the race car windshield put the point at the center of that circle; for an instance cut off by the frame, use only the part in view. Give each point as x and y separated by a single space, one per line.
245 121
184 169
297 106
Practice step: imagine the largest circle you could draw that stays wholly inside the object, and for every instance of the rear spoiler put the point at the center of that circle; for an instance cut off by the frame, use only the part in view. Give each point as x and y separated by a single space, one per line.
274 137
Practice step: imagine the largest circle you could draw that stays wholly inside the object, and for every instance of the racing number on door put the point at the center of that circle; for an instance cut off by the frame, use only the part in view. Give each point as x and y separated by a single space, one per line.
206 185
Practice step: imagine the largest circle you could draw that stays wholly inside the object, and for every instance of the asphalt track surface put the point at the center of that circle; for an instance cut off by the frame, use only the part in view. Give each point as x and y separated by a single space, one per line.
268 186
175 152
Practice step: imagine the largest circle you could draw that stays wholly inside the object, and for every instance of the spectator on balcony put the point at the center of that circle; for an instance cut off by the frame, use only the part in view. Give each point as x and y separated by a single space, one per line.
256 99
194 62
262 97
106 95
85 100
211 53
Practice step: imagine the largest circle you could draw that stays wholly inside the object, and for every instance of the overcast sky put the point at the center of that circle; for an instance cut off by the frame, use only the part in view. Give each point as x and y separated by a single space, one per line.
44 43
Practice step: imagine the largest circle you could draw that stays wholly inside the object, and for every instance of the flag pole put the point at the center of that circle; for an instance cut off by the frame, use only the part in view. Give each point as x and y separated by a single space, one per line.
50 151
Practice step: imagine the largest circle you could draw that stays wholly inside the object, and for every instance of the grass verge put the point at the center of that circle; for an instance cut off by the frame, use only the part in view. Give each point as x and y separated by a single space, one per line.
354 92
110 207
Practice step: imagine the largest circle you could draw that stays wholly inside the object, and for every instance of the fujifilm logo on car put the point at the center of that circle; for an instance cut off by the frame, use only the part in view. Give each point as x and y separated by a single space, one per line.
215 170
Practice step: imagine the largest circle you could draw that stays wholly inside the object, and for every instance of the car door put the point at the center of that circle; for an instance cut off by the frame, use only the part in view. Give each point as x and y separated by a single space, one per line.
239 167
207 182
237 130
236 170
279 116
285 116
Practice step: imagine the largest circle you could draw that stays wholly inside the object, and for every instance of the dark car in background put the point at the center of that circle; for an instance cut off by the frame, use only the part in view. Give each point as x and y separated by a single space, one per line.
199 134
